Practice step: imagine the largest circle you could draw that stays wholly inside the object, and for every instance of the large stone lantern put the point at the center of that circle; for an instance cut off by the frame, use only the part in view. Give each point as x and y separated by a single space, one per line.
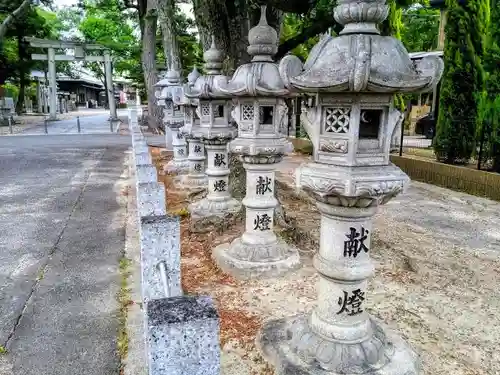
258 93
215 131
173 118
353 78
195 179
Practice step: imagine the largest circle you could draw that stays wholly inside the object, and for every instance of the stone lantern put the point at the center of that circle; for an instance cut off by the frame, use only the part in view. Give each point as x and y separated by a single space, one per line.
160 101
173 118
353 78
259 110
215 131
195 179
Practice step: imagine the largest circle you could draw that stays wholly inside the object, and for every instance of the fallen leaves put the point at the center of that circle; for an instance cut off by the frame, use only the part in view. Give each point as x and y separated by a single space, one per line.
237 325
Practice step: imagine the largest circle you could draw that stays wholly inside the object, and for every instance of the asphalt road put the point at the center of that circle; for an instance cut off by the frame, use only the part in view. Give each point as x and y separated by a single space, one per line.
62 233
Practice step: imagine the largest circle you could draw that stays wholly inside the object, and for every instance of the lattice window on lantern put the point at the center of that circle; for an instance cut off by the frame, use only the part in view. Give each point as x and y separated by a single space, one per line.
168 105
336 119
205 110
247 112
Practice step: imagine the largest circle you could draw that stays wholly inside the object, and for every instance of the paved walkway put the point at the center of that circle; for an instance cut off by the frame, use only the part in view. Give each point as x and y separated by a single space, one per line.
95 124
62 223
28 124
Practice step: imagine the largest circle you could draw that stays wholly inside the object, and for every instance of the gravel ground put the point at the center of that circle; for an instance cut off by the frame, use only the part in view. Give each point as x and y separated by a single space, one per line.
437 258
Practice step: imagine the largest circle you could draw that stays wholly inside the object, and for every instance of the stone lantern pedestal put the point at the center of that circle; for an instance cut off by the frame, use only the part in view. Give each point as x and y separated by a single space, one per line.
261 113
350 121
179 164
218 201
258 252
195 179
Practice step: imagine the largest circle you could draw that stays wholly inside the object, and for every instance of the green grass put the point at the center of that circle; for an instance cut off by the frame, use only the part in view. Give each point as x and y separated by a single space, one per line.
183 212
124 301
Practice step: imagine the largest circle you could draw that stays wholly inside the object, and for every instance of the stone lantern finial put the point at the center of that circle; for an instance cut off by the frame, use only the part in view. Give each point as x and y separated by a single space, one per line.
360 17
263 39
193 76
173 76
213 59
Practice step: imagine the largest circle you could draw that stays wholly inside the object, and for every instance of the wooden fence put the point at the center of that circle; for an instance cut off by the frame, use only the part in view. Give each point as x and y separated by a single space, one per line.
471 181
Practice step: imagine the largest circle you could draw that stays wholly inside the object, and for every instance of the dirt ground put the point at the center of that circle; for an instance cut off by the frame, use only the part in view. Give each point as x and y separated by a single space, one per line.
437 258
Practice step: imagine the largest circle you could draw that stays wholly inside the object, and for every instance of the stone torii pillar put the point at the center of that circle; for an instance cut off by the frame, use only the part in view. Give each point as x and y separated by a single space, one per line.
109 85
39 94
52 84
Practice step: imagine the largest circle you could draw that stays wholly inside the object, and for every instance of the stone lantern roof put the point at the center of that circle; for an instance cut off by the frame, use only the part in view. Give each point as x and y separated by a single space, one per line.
189 104
209 86
169 80
360 59
181 97
260 77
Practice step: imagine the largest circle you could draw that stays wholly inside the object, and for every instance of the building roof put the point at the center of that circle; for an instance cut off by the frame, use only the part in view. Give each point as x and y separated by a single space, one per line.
80 75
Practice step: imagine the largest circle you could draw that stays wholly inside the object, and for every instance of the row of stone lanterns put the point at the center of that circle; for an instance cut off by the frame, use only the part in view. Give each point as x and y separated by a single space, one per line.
352 79
173 118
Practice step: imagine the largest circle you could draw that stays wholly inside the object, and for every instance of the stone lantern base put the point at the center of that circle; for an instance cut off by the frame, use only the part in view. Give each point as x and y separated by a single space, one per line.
293 348
247 261
207 207
179 164
191 181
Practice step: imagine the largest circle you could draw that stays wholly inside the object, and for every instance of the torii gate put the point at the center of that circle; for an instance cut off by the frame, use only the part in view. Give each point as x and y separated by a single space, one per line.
79 55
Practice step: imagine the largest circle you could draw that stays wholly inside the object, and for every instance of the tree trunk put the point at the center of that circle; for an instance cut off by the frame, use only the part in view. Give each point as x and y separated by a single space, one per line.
149 61
21 55
230 22
8 20
166 14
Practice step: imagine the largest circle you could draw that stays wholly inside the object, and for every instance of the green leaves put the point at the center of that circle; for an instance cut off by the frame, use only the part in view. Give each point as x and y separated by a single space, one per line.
106 23
420 29
15 55
462 82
